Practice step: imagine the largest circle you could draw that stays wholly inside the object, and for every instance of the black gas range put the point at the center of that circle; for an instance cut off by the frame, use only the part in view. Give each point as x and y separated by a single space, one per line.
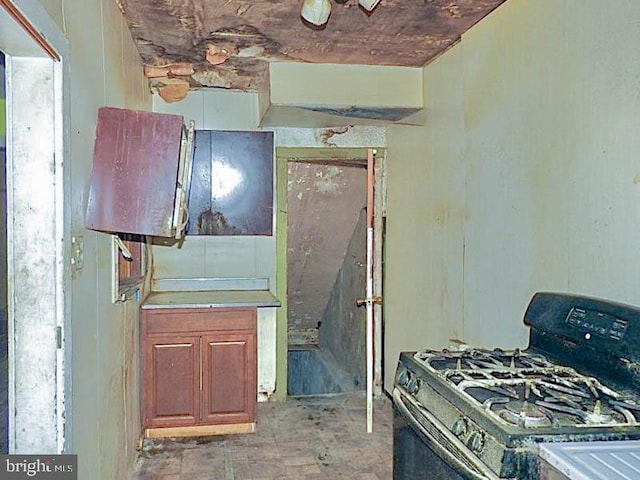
480 414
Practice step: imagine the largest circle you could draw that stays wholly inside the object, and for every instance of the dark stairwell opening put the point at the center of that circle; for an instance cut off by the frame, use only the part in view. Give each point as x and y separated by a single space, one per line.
326 254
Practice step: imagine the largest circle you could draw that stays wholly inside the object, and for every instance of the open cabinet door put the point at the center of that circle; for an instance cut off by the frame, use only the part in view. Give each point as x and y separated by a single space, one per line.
141 173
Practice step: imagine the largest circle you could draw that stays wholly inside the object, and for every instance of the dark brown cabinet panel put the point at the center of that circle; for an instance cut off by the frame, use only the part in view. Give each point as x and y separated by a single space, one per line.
139 180
199 368
232 183
152 176
229 378
173 391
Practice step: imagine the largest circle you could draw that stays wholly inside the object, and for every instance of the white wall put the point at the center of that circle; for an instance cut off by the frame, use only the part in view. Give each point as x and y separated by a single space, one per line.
103 421
425 216
524 178
3 210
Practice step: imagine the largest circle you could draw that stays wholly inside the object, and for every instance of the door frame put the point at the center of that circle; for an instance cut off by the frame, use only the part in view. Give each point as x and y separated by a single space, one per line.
35 50
283 156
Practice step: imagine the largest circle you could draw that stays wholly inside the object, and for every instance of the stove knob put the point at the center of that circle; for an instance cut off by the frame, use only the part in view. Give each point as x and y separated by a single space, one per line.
460 427
475 441
403 377
413 385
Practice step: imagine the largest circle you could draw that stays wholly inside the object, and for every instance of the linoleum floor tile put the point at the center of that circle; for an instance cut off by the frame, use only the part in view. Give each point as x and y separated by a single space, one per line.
304 438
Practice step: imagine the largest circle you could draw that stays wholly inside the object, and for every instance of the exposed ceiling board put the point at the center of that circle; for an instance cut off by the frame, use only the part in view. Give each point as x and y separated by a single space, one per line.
228 43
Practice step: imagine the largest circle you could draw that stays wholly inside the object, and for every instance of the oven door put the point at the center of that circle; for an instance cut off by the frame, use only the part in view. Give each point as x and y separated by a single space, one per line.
424 449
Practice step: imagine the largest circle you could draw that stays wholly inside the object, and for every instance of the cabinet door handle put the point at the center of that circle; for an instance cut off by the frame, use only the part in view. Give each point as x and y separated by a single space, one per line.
175 345
201 362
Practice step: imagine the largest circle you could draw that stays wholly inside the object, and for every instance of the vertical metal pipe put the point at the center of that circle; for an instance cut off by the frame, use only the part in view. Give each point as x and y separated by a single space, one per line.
369 328
369 288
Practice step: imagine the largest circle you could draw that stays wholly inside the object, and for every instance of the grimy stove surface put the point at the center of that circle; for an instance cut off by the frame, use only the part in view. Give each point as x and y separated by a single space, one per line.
578 380
525 392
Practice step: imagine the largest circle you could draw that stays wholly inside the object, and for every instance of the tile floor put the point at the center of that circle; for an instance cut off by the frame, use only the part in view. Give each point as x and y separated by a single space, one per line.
304 438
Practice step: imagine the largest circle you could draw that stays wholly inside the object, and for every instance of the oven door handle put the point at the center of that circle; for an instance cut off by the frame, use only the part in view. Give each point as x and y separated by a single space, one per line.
483 472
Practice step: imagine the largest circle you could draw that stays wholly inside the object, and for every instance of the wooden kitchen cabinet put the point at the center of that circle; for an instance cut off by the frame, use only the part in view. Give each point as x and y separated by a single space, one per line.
227 395
141 173
232 183
172 366
199 371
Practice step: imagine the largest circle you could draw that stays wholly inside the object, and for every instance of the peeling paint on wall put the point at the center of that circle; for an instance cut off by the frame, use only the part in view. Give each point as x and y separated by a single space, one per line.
324 202
328 181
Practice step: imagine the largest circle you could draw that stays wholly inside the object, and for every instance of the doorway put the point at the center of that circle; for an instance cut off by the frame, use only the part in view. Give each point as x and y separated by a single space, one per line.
33 50
326 275
327 331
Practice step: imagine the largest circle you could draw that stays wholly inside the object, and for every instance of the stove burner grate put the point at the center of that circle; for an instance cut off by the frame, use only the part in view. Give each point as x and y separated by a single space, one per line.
524 389
525 414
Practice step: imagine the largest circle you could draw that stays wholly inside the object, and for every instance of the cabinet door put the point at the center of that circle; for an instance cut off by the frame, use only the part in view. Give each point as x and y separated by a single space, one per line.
232 185
172 381
134 180
229 378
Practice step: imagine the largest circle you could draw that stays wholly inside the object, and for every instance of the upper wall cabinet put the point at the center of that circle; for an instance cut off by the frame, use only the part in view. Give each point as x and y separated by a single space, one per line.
232 184
141 173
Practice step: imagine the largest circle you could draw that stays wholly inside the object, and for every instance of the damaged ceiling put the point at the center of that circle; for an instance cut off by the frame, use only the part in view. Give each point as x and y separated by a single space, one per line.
229 43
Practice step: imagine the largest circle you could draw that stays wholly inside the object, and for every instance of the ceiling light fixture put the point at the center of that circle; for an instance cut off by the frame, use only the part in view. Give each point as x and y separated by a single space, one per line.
316 12
368 4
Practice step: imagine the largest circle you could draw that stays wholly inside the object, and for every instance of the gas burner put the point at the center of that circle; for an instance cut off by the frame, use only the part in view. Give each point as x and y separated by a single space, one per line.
598 414
525 414
530 392
525 389
550 401
611 409
578 380
497 360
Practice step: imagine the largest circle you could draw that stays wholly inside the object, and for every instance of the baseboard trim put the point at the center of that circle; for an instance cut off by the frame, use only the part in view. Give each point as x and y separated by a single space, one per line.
200 430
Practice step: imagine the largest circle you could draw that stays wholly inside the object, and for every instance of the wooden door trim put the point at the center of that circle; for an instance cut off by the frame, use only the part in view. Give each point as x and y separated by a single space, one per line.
31 30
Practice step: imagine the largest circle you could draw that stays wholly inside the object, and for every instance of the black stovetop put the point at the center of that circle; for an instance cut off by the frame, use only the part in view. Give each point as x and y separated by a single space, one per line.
580 374
577 380
524 391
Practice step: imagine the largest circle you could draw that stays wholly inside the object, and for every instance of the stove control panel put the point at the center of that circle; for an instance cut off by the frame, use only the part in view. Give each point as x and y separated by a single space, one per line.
460 427
469 434
475 441
595 323
407 380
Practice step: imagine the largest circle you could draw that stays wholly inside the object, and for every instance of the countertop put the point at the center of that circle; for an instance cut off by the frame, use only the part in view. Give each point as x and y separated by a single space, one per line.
210 298
603 460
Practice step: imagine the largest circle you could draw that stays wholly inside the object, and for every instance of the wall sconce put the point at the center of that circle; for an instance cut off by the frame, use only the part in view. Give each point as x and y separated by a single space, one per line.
316 11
